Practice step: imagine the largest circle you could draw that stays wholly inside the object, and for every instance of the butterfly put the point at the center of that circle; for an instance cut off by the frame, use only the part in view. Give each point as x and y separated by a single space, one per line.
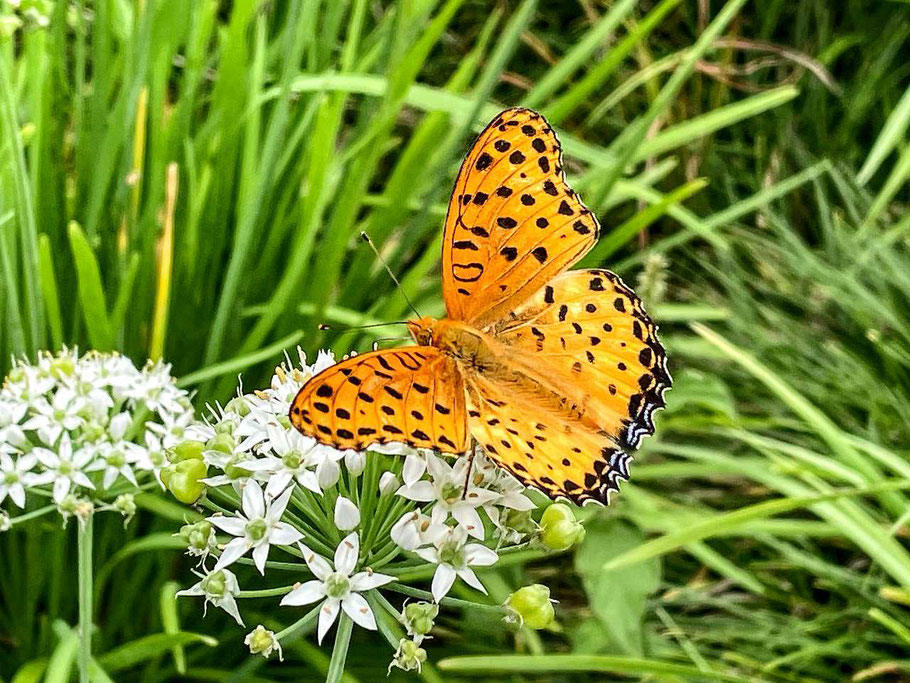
556 373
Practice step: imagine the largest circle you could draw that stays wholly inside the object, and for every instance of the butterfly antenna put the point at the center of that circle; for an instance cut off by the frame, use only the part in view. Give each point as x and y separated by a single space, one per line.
352 328
366 238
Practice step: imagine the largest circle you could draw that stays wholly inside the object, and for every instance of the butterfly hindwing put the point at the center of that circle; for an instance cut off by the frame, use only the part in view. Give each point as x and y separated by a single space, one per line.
411 395
542 447
589 329
513 222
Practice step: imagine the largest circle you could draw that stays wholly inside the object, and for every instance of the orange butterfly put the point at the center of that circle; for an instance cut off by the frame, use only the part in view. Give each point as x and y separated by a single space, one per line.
555 373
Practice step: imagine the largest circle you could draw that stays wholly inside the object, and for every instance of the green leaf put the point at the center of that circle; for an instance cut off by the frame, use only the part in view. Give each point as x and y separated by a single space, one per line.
91 290
560 664
618 597
150 647
48 282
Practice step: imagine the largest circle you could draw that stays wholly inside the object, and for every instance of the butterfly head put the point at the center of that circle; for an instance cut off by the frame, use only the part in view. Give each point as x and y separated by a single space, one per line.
422 329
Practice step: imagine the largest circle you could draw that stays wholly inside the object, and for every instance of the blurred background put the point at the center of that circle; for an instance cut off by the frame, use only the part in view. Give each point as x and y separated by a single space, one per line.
187 180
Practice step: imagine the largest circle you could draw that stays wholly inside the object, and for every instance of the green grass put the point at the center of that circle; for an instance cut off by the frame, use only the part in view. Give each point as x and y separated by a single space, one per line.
189 179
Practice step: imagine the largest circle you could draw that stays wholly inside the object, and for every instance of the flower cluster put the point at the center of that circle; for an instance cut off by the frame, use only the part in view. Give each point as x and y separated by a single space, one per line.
85 430
352 522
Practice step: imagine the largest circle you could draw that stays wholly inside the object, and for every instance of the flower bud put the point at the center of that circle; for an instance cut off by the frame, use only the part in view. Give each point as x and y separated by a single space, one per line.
221 442
186 450
355 462
408 656
5 522
418 618
347 516
263 642
532 606
199 537
125 504
182 480
238 405
559 530
388 483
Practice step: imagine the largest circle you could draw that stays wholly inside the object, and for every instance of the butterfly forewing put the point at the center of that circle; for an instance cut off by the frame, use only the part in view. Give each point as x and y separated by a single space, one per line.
591 331
411 395
513 222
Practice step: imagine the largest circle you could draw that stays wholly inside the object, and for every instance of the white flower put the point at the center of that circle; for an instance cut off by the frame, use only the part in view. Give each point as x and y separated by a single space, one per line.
172 429
454 559
15 475
257 528
152 458
219 588
52 417
347 516
415 529
338 589
115 459
11 414
448 488
64 468
290 461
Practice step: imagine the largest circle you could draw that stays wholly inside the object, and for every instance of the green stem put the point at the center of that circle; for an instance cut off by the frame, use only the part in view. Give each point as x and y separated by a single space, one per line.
340 651
302 625
84 536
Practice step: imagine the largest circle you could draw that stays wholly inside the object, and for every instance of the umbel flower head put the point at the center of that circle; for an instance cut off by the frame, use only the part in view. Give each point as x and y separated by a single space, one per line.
88 428
342 526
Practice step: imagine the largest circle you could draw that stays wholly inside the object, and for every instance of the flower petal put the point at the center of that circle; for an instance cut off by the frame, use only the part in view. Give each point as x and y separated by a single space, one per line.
317 564
422 492
468 518
276 509
356 607
253 501
235 526
469 577
232 552
364 581
442 581
260 555
327 616
346 554
284 534
305 593
479 555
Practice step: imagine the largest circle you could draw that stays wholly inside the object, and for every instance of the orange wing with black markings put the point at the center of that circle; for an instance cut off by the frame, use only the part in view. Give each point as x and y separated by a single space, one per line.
412 395
513 222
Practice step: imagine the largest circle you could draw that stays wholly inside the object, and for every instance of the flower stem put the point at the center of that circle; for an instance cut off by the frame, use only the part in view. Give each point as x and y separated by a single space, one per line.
84 542
32 515
305 623
340 651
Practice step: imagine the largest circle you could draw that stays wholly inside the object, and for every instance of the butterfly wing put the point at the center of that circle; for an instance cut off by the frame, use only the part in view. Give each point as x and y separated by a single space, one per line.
590 332
413 395
542 446
513 222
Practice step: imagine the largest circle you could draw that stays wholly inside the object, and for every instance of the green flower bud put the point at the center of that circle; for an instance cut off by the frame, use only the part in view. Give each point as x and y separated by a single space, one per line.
409 656
559 530
198 537
186 450
418 617
237 405
532 606
226 427
235 472
126 504
222 442
215 584
182 480
519 520
262 642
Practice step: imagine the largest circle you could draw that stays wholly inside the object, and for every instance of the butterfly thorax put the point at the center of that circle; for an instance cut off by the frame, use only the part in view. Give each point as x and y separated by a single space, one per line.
461 342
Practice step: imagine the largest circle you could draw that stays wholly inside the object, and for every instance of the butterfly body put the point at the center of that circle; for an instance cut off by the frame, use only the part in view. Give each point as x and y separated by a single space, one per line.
556 373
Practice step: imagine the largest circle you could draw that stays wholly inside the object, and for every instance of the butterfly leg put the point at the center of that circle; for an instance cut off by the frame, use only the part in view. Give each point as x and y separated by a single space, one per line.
467 476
